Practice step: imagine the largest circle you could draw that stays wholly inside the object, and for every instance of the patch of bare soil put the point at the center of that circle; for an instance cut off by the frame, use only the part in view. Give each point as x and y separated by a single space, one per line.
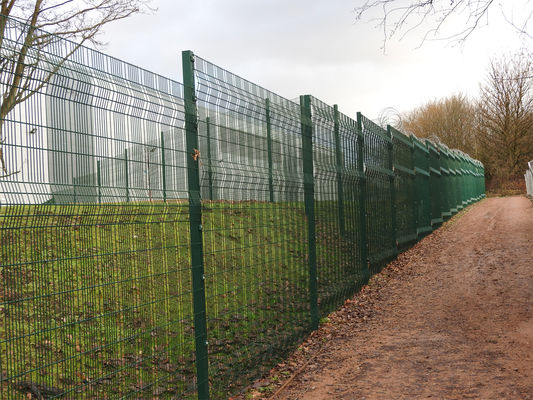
452 318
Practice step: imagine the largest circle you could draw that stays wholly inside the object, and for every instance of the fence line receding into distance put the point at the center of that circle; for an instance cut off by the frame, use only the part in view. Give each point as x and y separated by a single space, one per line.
168 240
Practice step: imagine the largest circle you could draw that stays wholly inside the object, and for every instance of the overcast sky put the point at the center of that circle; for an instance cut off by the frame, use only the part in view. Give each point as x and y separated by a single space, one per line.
296 47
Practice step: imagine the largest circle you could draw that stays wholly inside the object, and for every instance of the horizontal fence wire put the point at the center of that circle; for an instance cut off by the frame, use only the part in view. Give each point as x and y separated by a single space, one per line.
95 298
169 241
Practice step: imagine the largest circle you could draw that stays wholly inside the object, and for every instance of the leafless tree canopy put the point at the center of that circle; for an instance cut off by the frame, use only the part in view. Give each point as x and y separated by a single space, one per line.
506 117
496 128
450 120
399 17
46 22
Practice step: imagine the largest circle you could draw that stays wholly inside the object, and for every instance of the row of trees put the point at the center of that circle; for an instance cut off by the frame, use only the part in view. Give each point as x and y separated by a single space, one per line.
496 127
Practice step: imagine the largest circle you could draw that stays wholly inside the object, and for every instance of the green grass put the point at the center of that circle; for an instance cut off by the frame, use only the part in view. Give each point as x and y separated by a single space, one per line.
96 300
88 292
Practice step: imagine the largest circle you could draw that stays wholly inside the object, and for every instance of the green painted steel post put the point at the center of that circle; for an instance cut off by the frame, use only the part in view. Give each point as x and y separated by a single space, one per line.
195 227
393 188
309 188
362 198
340 166
269 150
99 181
209 160
127 176
163 168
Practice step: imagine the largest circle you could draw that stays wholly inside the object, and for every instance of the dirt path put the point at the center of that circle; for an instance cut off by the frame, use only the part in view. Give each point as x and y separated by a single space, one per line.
451 319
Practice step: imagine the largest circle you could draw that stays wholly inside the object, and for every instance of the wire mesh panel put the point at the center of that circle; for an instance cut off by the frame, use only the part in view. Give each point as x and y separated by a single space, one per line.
337 182
465 174
446 201
471 184
95 295
457 200
404 182
465 181
435 183
379 187
423 190
255 229
473 181
459 167
453 182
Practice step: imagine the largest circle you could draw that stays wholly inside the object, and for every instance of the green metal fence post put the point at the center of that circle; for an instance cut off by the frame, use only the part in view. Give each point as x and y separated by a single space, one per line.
195 226
393 188
127 176
309 187
362 198
340 165
99 181
163 168
269 150
209 160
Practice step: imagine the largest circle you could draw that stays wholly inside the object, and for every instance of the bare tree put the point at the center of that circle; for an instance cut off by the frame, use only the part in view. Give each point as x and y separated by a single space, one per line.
451 120
399 17
506 117
28 32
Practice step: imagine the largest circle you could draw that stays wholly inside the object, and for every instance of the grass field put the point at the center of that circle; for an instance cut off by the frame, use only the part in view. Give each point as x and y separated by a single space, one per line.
96 300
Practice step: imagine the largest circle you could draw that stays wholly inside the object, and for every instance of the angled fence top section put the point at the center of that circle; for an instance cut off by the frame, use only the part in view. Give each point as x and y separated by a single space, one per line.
85 114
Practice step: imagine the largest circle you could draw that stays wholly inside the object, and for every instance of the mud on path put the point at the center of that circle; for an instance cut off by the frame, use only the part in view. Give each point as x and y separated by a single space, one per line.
452 318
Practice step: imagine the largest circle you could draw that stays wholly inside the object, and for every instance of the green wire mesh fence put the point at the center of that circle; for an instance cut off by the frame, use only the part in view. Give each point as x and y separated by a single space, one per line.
95 295
379 192
161 240
422 187
338 179
404 188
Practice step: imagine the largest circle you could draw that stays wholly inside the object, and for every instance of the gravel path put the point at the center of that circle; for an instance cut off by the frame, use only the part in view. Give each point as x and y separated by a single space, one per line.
452 318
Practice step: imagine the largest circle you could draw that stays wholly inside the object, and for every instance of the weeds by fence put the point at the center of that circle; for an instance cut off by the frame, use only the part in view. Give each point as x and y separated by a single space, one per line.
161 240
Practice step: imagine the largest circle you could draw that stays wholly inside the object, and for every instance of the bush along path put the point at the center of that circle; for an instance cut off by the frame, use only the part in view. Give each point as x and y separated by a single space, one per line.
451 318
